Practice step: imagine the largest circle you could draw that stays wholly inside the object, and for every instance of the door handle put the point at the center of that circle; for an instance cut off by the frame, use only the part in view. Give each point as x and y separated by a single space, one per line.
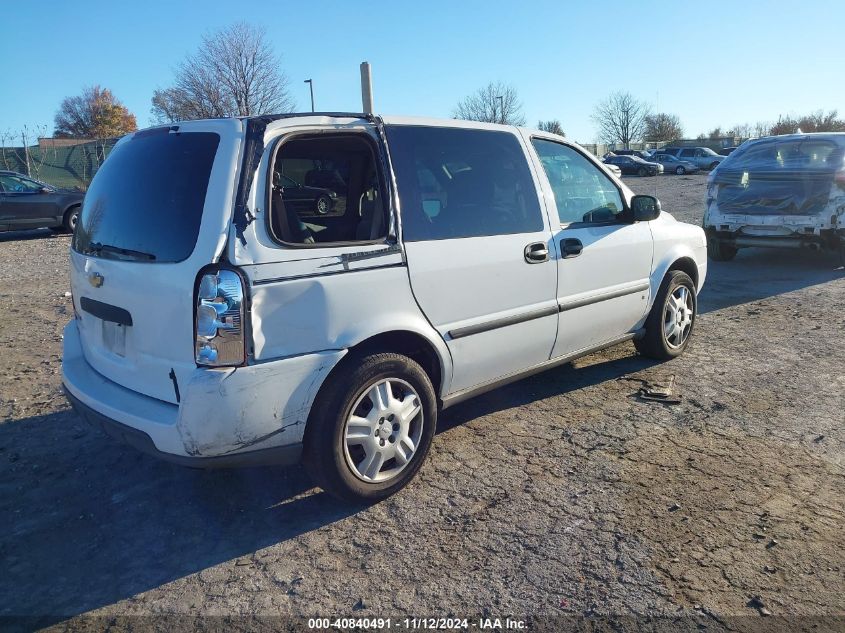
571 247
536 253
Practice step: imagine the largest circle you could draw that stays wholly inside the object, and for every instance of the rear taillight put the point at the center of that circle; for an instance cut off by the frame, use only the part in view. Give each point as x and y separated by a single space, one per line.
219 319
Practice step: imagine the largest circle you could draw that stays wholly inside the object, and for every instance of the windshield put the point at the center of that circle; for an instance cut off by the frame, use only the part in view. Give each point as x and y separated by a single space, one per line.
146 201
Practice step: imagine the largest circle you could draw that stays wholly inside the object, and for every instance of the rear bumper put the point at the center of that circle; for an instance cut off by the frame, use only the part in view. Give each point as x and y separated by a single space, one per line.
226 417
289 454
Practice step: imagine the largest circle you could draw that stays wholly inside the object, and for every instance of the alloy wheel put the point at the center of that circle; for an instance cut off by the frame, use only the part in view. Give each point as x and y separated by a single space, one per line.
678 316
383 431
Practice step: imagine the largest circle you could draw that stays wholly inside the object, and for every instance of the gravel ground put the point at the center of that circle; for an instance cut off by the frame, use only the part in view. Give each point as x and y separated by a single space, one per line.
561 495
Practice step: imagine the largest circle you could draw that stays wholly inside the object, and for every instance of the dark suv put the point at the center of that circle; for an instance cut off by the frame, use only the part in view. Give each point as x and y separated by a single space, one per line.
29 204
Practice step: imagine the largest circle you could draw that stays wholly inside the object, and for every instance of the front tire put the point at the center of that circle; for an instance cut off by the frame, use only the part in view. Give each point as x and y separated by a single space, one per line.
642 172
670 323
371 427
680 170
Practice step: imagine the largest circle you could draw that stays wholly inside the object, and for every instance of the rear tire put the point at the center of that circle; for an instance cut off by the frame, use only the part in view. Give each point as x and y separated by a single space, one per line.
371 427
70 219
720 251
680 170
670 323
642 172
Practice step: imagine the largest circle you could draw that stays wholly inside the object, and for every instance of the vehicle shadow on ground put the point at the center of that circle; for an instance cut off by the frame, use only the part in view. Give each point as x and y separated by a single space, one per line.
29 234
548 384
88 522
758 273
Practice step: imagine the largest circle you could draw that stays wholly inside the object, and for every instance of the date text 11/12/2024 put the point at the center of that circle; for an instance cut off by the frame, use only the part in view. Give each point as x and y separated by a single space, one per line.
416 624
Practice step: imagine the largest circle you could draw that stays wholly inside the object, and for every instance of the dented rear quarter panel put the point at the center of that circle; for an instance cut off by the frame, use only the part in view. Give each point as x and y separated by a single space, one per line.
227 411
324 299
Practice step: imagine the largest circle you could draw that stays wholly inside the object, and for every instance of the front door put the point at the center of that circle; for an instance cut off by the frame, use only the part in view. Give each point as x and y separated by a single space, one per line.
24 203
604 259
478 247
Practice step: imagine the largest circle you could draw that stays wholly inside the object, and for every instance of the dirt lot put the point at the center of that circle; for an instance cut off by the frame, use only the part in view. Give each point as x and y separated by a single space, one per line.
560 495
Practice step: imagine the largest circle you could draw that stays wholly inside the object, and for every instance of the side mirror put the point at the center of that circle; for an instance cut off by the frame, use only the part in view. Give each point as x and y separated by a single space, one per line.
645 208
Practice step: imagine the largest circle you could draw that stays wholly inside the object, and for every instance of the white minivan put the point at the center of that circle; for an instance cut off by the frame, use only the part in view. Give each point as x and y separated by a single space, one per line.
317 287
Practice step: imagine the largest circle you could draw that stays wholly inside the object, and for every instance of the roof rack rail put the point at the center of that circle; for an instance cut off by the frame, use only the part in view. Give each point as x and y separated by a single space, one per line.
293 115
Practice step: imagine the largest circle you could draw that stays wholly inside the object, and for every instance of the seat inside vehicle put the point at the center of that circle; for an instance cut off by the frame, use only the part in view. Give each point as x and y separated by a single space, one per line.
326 189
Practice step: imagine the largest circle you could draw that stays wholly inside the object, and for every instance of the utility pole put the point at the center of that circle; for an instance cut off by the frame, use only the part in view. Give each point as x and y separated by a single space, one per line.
501 109
366 88
311 86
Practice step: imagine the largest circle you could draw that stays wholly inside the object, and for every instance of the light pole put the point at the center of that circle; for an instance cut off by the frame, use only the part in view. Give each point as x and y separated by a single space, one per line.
311 86
501 108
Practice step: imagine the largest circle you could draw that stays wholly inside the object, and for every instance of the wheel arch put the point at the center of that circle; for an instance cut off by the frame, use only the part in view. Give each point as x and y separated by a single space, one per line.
685 264
69 207
682 258
415 346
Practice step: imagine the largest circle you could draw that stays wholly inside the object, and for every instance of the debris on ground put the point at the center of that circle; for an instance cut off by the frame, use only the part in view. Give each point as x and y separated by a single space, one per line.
656 392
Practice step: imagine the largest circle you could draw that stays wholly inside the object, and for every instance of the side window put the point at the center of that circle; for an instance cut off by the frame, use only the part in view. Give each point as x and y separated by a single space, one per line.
583 193
15 184
455 182
326 190
687 153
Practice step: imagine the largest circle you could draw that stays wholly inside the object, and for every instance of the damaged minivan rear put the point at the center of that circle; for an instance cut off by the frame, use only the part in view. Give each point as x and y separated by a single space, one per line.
782 192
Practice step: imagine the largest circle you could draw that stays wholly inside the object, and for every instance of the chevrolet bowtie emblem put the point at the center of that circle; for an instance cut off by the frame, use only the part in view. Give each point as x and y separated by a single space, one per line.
96 279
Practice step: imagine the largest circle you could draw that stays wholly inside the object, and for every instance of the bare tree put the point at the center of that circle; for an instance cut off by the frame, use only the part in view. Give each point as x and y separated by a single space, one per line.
6 138
96 113
816 122
494 103
743 130
621 118
552 126
715 133
235 72
761 128
663 127
34 160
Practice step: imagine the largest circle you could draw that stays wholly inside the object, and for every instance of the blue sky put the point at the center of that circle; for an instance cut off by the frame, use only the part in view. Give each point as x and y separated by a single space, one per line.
713 63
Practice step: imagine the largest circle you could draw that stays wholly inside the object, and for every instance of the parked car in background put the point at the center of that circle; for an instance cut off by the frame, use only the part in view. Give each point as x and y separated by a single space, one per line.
29 204
726 151
674 165
645 155
634 165
704 157
212 337
305 200
781 191
613 169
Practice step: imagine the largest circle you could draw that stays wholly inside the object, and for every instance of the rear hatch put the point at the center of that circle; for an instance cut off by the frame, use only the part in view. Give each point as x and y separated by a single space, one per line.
778 177
157 211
